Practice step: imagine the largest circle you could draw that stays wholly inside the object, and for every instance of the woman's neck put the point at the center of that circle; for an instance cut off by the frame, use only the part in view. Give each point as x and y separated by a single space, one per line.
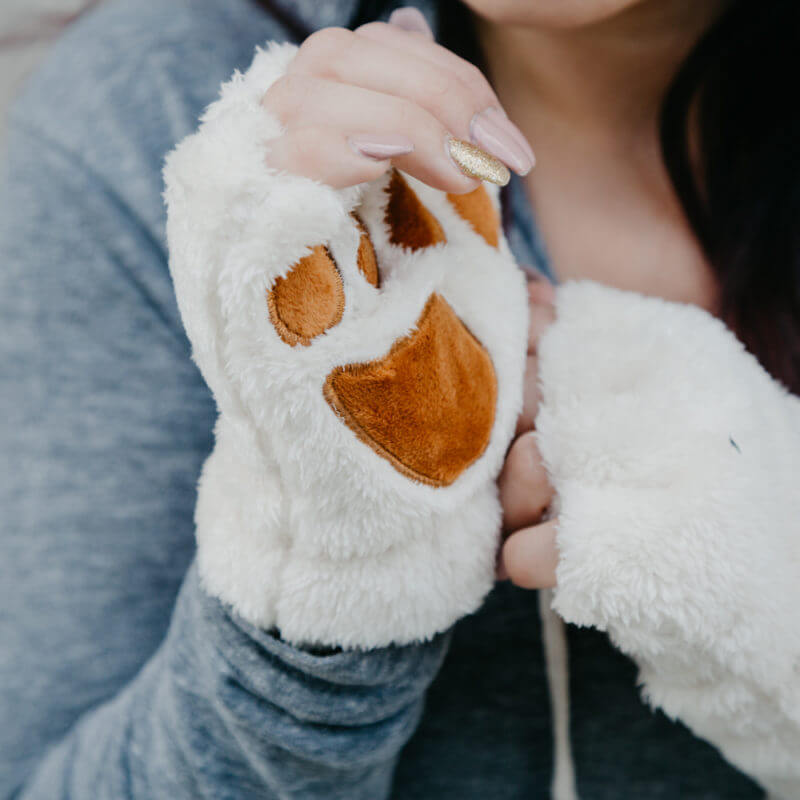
588 101
604 80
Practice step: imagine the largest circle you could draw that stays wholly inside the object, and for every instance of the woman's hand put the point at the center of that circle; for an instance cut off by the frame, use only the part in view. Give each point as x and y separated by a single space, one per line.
354 103
529 556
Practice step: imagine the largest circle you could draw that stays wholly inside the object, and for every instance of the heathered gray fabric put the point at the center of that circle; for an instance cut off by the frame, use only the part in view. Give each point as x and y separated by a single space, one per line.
119 677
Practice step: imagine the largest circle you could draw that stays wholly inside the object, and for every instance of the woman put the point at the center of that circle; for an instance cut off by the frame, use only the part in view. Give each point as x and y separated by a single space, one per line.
112 693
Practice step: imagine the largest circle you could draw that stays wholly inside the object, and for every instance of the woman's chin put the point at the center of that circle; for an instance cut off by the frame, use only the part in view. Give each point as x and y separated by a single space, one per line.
550 13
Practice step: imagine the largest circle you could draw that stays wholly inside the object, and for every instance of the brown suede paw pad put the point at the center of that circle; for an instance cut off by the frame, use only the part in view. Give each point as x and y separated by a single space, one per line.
428 405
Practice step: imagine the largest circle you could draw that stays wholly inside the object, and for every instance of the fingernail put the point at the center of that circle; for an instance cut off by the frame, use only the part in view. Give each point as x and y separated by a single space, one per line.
476 163
411 19
380 145
500 113
502 138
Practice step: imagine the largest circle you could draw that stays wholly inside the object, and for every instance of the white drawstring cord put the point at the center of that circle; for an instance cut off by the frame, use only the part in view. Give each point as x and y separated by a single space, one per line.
554 639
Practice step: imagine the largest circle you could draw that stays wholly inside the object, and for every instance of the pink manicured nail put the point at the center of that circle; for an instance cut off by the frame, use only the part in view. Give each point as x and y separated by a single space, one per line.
500 113
411 19
496 133
380 145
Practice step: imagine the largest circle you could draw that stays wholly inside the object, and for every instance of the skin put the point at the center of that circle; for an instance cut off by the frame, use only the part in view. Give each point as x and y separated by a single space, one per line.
583 81
377 80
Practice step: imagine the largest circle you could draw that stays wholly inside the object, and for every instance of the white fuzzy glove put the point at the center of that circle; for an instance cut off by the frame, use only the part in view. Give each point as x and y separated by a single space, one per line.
368 374
676 462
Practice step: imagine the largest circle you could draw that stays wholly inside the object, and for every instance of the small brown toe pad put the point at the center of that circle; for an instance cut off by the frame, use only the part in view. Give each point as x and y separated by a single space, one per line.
308 300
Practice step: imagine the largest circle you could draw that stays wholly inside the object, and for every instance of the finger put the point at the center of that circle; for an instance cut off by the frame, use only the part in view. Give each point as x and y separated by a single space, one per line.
302 101
433 54
540 290
530 556
531 397
333 158
542 312
340 55
412 20
440 56
429 51
525 490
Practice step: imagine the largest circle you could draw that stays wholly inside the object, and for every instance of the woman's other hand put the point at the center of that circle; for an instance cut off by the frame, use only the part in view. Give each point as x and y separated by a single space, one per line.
354 103
528 555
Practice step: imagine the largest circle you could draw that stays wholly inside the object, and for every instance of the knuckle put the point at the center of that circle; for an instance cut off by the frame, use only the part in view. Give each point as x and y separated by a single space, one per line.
473 76
443 90
302 62
373 27
277 91
477 85
326 43
409 113
439 84
284 97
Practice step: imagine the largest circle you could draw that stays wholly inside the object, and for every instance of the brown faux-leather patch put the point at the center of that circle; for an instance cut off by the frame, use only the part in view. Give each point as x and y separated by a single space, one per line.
366 260
410 224
308 300
476 208
428 406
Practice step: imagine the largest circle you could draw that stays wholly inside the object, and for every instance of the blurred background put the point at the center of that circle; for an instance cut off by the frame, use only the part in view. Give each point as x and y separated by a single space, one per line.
27 28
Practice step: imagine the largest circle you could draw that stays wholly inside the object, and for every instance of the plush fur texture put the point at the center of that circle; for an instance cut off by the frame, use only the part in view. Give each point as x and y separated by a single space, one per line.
428 405
675 458
300 524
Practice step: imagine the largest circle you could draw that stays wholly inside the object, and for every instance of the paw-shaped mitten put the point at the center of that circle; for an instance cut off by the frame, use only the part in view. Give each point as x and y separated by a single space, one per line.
366 350
675 459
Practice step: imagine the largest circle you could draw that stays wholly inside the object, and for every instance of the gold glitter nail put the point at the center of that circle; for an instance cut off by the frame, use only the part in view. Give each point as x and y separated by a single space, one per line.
477 163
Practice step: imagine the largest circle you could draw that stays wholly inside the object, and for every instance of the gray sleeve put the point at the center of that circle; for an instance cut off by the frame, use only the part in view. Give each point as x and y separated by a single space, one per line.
226 710
104 423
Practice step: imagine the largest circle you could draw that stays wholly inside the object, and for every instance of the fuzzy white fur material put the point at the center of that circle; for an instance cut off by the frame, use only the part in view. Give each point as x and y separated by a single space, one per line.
300 525
676 459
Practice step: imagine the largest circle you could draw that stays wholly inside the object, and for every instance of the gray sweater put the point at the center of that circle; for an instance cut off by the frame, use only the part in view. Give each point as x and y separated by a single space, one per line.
119 677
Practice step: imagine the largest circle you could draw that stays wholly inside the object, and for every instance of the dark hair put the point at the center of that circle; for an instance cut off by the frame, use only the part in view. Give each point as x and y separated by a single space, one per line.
738 179
741 189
